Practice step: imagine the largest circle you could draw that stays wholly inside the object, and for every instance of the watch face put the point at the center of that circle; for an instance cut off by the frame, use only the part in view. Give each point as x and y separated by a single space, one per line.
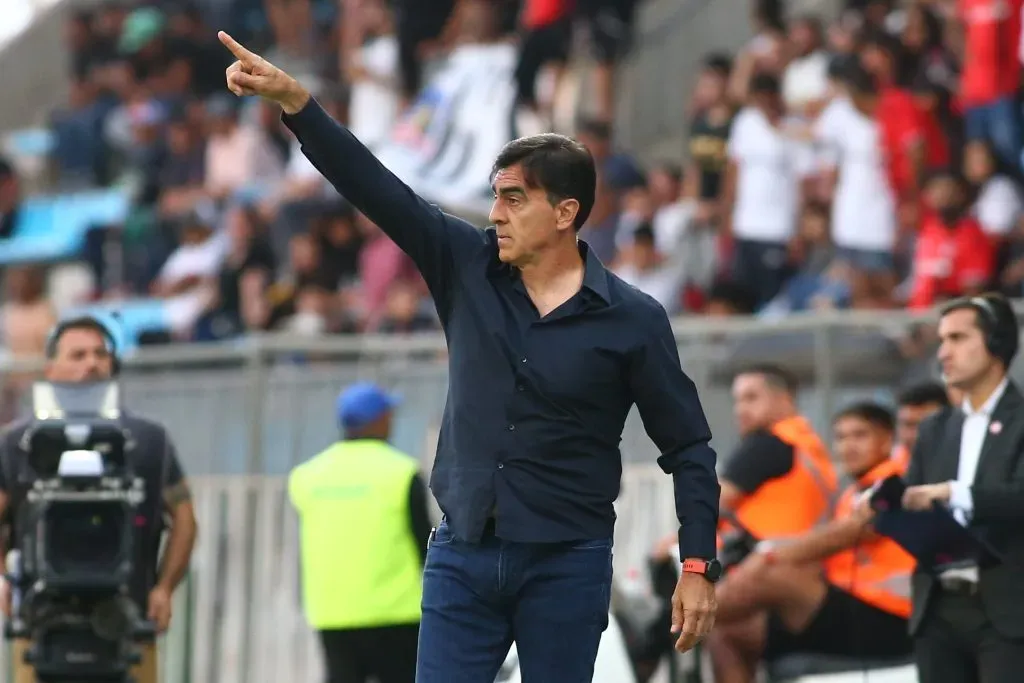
714 570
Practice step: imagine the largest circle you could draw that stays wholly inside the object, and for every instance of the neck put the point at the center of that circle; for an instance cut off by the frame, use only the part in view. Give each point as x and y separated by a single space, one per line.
554 266
785 413
981 393
862 477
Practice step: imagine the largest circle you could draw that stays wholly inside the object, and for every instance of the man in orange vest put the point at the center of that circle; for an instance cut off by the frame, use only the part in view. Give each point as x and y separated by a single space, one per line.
780 481
839 590
915 403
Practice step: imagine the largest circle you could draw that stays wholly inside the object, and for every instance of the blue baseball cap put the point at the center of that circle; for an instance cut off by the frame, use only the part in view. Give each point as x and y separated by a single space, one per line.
362 403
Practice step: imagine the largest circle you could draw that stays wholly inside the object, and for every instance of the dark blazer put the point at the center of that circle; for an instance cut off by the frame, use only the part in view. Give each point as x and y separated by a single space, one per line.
998 494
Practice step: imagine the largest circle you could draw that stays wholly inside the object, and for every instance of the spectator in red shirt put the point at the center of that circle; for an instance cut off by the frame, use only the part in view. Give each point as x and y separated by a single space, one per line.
900 120
991 74
954 256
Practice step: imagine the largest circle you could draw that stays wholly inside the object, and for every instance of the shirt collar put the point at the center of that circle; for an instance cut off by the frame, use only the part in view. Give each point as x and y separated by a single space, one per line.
595 274
990 404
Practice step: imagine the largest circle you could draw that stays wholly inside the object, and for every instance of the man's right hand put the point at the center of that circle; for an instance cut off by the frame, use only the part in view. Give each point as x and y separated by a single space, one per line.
253 75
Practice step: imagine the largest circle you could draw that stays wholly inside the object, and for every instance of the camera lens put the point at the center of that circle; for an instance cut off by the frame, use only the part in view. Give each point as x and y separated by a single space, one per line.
85 537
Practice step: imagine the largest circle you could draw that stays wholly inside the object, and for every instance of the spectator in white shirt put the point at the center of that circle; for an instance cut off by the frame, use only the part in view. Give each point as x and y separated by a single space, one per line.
658 275
186 279
762 191
998 204
373 73
805 80
864 208
238 155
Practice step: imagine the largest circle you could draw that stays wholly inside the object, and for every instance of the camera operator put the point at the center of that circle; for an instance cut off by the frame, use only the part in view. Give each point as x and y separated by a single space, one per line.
81 350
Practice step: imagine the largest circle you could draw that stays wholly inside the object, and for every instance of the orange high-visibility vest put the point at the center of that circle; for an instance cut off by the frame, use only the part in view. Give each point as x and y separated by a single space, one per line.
797 501
877 571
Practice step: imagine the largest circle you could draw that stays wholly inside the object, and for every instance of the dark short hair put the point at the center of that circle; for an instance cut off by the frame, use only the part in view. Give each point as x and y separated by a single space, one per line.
996 319
83 322
598 128
557 164
860 81
644 234
881 40
923 394
718 63
774 375
869 411
764 83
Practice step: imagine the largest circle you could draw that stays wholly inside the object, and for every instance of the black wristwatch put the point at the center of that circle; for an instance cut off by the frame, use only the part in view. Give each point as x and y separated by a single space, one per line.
709 569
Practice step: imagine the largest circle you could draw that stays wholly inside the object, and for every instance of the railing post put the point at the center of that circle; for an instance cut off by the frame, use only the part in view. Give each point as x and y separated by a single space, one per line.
257 383
824 370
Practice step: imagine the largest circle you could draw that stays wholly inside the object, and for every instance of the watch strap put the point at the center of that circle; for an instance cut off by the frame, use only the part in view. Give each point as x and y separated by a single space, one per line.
695 566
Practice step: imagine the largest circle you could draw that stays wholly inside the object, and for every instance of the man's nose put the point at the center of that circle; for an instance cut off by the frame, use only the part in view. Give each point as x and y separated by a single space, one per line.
496 215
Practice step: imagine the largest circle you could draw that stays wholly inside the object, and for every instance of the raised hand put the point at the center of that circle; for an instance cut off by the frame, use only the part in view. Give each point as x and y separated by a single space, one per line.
253 75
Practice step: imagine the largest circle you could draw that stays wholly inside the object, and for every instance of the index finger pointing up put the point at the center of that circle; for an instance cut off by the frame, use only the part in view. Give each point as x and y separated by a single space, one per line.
237 49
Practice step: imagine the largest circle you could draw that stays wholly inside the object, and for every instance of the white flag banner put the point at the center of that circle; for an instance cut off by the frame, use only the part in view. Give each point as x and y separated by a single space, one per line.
445 145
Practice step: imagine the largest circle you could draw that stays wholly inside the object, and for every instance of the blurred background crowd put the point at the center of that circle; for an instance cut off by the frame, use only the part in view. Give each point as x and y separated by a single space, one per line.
869 161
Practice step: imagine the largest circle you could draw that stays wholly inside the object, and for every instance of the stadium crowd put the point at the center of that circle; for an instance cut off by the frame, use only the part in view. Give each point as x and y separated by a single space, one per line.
871 161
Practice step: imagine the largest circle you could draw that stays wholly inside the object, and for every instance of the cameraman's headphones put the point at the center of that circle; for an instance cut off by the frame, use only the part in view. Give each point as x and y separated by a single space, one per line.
1002 337
84 322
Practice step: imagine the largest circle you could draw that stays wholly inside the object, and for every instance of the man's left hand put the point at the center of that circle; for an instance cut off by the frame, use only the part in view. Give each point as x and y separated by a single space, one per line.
693 609
159 608
924 497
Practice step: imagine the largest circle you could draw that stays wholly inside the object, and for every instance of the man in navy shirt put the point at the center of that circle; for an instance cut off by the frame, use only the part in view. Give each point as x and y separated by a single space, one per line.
548 353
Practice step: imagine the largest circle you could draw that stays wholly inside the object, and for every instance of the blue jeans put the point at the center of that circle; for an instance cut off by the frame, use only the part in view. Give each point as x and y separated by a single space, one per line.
869 260
551 599
999 123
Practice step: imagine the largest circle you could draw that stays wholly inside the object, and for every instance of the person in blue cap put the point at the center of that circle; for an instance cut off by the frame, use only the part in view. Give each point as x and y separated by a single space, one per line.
364 522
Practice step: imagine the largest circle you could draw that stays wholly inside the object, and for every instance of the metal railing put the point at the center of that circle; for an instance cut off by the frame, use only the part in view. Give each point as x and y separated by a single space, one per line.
243 414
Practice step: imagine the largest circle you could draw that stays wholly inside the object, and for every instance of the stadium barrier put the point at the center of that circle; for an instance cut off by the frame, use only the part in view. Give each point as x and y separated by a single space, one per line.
243 414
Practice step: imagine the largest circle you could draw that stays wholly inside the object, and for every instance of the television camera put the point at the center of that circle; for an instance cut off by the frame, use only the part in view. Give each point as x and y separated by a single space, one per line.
73 531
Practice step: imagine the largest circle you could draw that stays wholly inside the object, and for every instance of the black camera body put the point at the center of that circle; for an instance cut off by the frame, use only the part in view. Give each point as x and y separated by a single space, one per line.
74 535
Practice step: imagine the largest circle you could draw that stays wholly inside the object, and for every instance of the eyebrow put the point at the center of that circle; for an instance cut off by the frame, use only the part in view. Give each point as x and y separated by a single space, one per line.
505 191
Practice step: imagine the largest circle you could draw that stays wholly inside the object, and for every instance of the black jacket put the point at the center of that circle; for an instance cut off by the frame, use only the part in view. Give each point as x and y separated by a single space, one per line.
998 494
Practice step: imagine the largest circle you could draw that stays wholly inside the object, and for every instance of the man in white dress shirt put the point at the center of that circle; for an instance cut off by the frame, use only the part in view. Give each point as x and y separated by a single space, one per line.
968 618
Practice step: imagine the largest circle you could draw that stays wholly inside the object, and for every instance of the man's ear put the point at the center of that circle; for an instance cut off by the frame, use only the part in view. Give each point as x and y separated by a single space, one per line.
565 214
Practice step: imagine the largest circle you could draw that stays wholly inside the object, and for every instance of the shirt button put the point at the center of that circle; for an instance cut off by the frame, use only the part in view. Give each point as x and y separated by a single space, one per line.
501 465
520 387
511 428
522 360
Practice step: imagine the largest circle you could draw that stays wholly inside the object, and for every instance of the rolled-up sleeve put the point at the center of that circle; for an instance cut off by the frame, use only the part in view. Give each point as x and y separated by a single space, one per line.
674 419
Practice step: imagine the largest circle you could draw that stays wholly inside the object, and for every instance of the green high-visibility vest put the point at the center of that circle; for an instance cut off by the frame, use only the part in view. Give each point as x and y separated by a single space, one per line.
360 563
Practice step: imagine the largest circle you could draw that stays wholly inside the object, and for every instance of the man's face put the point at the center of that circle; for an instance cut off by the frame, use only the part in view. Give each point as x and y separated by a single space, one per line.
525 219
943 194
754 402
908 419
962 352
82 356
859 444
803 38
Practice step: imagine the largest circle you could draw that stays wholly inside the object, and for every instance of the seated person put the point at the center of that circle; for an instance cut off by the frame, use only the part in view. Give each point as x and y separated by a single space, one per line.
916 403
780 481
839 590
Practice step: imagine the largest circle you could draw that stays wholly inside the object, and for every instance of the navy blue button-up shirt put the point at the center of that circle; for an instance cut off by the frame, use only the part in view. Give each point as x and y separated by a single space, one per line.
536 405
